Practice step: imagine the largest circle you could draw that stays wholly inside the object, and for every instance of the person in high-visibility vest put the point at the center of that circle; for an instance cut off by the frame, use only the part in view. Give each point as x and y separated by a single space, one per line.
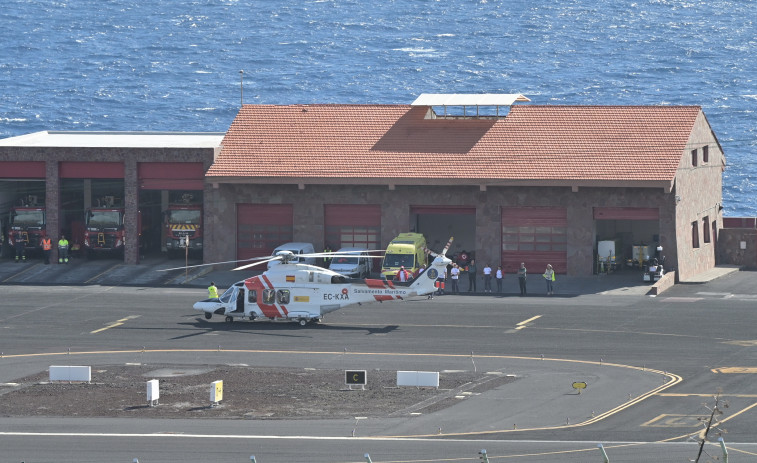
47 246
327 259
212 291
549 276
62 250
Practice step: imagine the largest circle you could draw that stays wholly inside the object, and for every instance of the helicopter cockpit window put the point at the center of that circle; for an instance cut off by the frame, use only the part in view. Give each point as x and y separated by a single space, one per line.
269 296
252 296
338 279
282 296
226 296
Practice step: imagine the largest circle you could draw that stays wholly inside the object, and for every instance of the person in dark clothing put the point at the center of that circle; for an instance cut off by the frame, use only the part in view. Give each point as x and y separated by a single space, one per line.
472 270
20 245
240 300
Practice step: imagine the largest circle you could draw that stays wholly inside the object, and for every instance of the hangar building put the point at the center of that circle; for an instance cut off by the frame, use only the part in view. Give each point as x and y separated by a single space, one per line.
68 172
511 182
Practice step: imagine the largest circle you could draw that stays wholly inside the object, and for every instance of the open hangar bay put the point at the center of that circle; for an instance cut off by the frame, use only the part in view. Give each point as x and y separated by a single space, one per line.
699 336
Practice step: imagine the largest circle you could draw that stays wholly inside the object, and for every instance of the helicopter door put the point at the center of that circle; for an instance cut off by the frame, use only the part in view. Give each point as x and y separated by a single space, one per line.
239 303
232 303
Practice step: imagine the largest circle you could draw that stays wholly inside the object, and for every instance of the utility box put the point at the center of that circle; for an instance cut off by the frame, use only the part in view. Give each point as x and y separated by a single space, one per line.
216 392
153 392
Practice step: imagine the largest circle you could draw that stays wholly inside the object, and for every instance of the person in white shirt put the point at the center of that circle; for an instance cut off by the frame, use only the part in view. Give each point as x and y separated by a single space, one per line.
455 275
487 278
499 277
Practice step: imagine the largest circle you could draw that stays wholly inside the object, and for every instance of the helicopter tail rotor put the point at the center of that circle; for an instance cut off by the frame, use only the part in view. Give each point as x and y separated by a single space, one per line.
444 251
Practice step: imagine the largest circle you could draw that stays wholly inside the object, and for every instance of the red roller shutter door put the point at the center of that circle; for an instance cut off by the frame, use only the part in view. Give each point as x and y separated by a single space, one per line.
171 175
353 225
70 169
262 227
536 236
22 169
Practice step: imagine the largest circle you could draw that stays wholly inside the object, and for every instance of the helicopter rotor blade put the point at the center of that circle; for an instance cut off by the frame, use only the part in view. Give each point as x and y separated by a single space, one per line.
212 263
259 262
446 248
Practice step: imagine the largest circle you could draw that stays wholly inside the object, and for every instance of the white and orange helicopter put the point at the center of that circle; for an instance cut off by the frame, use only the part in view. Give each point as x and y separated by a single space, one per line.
305 293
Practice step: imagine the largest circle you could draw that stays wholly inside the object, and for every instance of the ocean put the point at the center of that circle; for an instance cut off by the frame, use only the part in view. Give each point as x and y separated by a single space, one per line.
174 65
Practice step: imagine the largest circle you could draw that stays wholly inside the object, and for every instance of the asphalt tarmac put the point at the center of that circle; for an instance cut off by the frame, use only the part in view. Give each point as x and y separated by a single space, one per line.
652 367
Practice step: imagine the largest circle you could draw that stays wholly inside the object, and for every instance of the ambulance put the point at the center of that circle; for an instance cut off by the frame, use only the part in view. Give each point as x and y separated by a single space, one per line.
406 250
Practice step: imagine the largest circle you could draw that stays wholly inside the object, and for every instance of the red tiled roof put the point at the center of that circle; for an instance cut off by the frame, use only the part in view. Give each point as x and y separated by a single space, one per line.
623 143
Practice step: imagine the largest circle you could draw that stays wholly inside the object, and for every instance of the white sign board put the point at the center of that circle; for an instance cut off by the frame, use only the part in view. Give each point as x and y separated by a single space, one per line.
70 373
418 378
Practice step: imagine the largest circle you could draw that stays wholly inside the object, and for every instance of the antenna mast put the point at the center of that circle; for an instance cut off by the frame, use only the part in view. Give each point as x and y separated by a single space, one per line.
241 88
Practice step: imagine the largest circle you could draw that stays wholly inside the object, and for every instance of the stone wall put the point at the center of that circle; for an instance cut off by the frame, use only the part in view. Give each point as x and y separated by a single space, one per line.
699 193
730 247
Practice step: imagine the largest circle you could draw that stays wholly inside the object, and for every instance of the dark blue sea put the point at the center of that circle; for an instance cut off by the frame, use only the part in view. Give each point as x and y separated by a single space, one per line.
173 65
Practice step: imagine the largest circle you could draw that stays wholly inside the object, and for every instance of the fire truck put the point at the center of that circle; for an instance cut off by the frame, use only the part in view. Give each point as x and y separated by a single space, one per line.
104 227
27 223
182 224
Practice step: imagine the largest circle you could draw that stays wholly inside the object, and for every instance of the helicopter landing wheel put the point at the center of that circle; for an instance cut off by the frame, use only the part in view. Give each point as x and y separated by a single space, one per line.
303 322
208 315
229 319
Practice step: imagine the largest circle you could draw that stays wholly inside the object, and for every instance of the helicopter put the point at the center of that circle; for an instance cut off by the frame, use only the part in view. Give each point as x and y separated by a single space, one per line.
306 293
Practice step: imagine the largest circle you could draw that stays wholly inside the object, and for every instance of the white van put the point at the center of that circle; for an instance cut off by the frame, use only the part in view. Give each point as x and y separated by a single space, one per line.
356 266
295 248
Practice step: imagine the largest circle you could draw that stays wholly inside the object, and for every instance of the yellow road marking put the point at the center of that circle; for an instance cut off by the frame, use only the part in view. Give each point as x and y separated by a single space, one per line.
739 370
524 323
115 324
743 343
721 421
20 273
103 273
674 421
673 394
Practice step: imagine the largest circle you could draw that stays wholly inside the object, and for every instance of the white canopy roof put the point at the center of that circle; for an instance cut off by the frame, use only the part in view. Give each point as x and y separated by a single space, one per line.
468 99
76 139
